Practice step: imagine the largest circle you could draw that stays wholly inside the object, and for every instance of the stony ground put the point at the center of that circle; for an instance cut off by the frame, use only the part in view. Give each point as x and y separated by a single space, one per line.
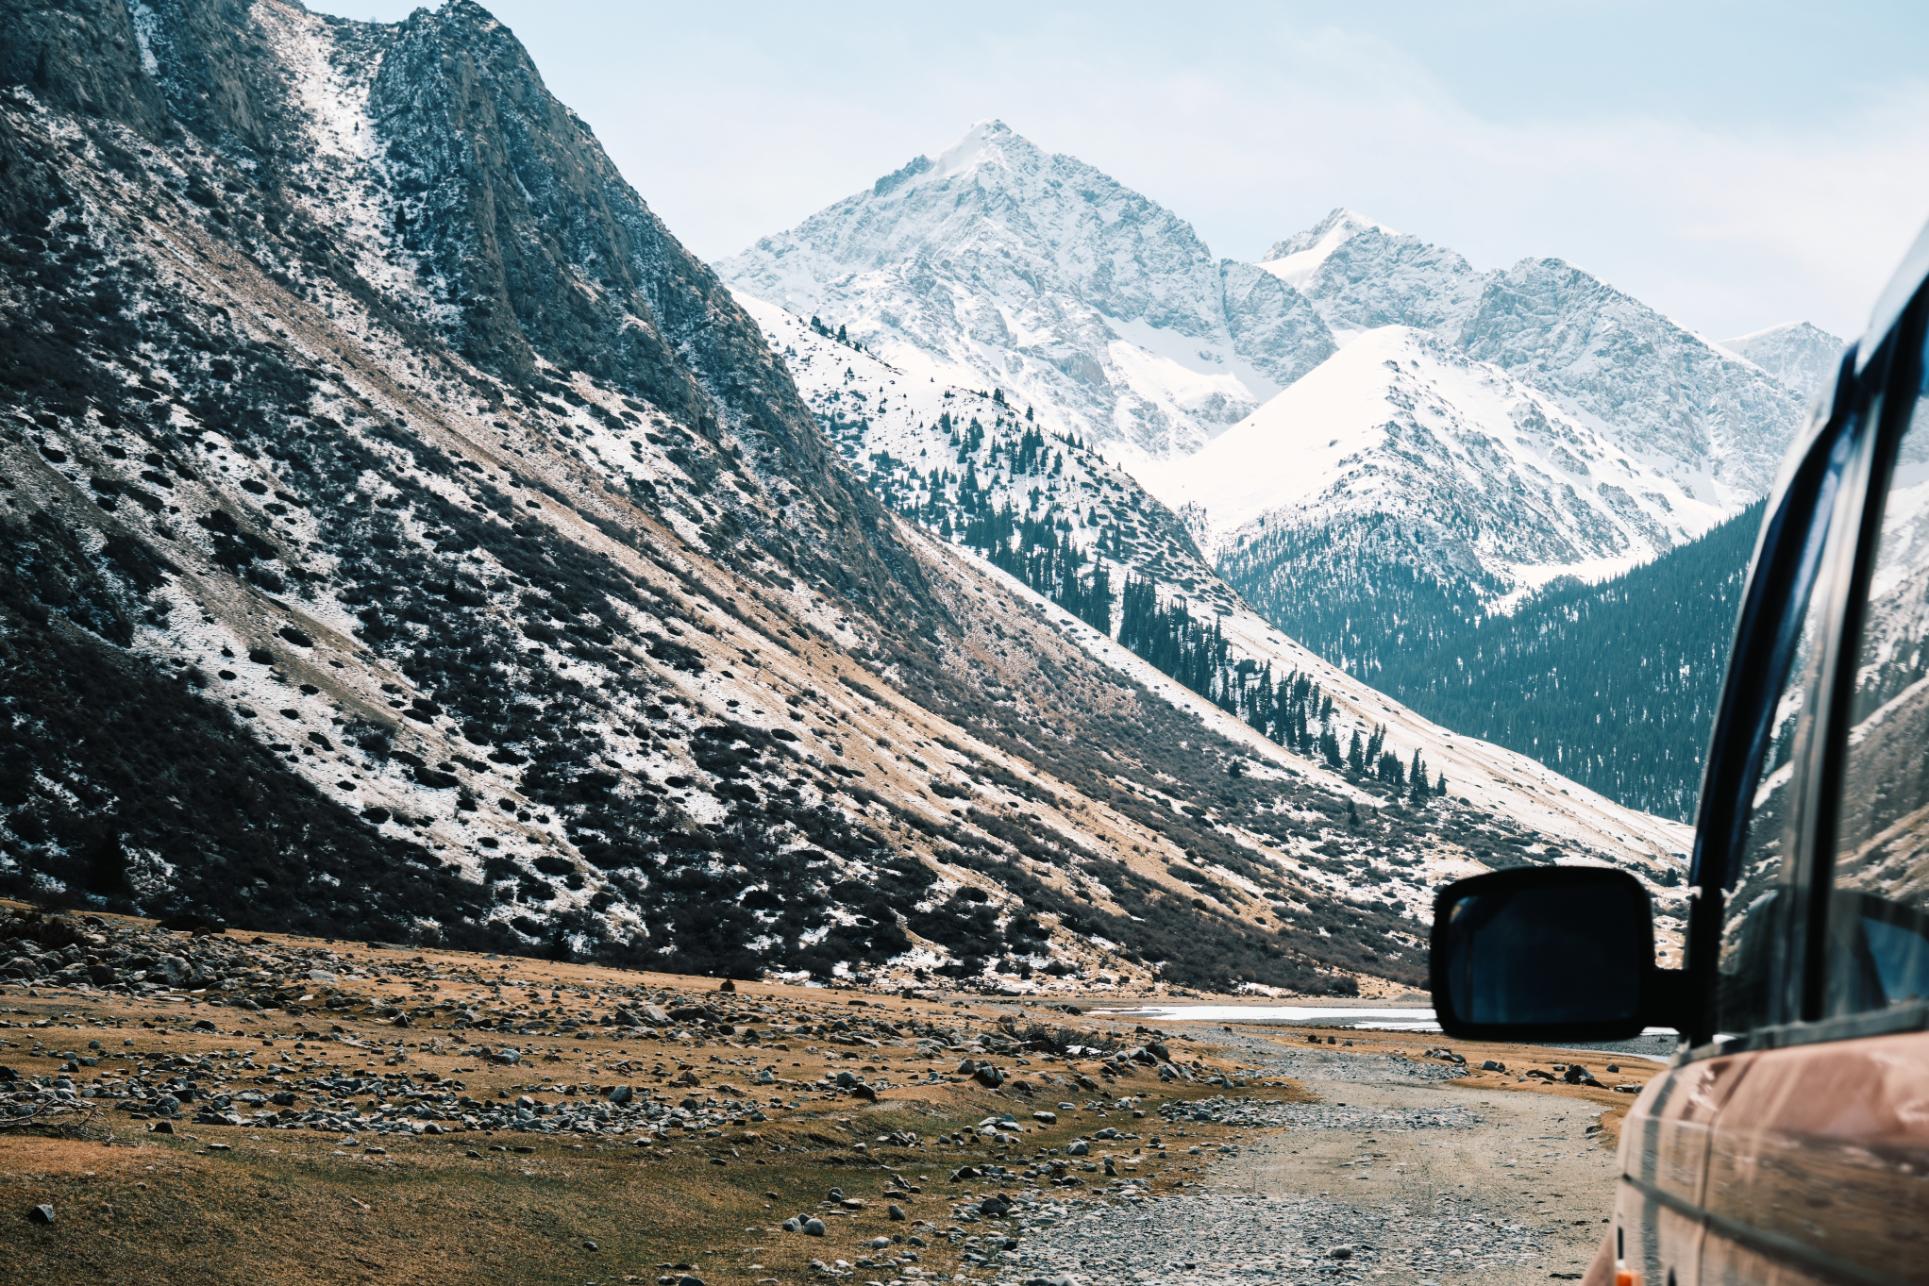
226 1107
221 1107
1404 1169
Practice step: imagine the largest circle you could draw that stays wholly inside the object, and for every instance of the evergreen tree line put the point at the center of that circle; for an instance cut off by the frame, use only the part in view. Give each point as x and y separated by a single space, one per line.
1613 684
1036 547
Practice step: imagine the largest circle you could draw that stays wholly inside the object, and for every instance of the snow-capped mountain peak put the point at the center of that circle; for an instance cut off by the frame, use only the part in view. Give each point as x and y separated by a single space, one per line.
1295 259
1002 265
989 142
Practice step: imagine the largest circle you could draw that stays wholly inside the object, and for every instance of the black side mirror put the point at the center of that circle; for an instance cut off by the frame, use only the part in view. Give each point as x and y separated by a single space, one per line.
1544 953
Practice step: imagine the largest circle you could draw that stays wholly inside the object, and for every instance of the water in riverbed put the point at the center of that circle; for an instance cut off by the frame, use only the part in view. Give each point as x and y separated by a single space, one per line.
1390 1018
1654 1043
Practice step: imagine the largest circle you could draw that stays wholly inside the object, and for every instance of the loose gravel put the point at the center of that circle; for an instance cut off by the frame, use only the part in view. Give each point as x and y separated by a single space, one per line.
1233 1238
1390 1176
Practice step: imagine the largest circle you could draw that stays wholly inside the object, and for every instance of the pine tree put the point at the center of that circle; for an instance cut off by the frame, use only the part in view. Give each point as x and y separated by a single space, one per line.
1418 791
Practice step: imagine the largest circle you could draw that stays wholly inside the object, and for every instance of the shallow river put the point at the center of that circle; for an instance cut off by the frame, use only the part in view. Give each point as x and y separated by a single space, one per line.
1655 1043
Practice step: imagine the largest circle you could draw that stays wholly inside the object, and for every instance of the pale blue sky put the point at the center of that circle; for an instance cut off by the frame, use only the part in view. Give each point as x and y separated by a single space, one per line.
1737 164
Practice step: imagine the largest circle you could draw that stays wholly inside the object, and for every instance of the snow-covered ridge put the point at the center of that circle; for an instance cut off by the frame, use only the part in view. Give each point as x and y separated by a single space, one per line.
1492 473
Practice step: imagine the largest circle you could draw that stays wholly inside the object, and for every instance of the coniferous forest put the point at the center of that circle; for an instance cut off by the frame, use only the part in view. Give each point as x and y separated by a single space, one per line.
1613 684
971 506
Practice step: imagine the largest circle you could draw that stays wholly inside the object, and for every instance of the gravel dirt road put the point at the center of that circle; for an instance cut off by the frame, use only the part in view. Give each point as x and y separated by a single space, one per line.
1404 1170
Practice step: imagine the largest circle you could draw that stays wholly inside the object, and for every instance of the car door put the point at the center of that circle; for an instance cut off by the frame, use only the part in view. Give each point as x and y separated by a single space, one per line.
1818 1162
1744 936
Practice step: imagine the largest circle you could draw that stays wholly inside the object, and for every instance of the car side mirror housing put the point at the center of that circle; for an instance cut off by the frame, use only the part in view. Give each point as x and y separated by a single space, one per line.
1545 953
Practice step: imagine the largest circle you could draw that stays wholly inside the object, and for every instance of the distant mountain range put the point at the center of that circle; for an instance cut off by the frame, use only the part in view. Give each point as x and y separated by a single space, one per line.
1000 264
404 536
1405 448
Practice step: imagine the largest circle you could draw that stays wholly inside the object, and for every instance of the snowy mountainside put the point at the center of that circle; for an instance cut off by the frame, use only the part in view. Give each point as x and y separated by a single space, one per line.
1001 265
1800 355
1477 473
912 440
1684 407
1680 404
897 429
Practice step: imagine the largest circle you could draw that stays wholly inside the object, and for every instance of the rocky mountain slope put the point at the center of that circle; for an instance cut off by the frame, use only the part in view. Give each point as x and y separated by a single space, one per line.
402 535
999 264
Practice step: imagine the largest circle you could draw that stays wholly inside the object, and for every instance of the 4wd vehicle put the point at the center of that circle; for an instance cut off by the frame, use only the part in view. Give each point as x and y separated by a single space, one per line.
1788 1141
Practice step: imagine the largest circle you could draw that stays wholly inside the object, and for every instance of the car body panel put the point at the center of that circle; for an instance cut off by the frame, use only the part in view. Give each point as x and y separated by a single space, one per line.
1796 1152
1819 1164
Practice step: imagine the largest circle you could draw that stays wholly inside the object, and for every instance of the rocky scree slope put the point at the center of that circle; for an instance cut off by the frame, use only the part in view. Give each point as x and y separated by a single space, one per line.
404 536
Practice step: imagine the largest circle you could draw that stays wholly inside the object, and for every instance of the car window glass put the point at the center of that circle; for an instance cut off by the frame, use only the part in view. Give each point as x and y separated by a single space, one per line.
1878 925
1759 939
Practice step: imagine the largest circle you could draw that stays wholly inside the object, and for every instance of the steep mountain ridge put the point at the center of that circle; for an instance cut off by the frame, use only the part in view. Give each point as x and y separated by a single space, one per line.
402 535
1001 265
